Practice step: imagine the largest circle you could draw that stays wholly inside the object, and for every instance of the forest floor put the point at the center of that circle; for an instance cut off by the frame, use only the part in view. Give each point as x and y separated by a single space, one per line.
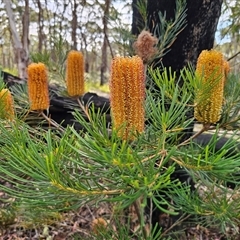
80 225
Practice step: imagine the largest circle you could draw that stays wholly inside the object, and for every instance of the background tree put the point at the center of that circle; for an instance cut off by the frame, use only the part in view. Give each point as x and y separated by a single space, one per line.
74 24
138 16
88 26
105 44
229 33
199 33
20 47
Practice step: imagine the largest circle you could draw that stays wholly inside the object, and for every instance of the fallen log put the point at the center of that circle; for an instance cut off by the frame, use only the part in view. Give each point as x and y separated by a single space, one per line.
62 107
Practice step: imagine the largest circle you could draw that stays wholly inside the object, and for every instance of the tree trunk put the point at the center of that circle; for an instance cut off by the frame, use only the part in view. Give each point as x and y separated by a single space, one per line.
21 56
202 20
105 42
41 36
138 22
74 25
25 31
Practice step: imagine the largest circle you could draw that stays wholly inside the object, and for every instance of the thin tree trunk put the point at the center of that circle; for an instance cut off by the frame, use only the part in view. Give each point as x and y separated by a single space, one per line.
21 56
105 42
74 24
40 27
61 23
25 31
86 60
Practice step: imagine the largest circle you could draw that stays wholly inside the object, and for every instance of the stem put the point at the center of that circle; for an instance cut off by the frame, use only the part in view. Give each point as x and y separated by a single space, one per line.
205 127
235 55
140 214
151 214
174 224
52 122
85 110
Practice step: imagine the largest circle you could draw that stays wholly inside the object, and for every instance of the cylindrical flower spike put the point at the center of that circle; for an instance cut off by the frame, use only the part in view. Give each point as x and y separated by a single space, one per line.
38 86
75 74
127 95
6 105
209 96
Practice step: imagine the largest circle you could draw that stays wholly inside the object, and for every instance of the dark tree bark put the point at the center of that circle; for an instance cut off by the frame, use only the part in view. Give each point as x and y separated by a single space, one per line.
138 22
202 20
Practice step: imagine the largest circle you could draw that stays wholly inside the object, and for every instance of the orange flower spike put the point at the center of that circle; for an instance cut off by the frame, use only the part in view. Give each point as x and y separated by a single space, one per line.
6 105
127 95
75 74
38 86
210 70
118 91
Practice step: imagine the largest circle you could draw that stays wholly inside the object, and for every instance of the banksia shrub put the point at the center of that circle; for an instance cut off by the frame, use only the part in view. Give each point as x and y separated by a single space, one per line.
75 74
127 95
209 96
6 105
38 86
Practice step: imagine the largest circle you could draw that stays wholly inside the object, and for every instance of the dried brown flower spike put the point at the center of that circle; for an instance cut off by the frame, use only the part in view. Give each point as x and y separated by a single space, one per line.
145 46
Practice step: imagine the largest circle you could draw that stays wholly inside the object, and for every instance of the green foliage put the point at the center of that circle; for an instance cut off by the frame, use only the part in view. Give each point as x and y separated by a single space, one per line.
168 30
51 171
231 107
231 26
142 8
54 59
2 84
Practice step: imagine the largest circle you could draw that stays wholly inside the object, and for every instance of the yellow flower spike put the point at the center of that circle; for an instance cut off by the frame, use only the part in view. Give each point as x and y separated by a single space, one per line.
127 95
38 86
209 97
6 105
75 74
